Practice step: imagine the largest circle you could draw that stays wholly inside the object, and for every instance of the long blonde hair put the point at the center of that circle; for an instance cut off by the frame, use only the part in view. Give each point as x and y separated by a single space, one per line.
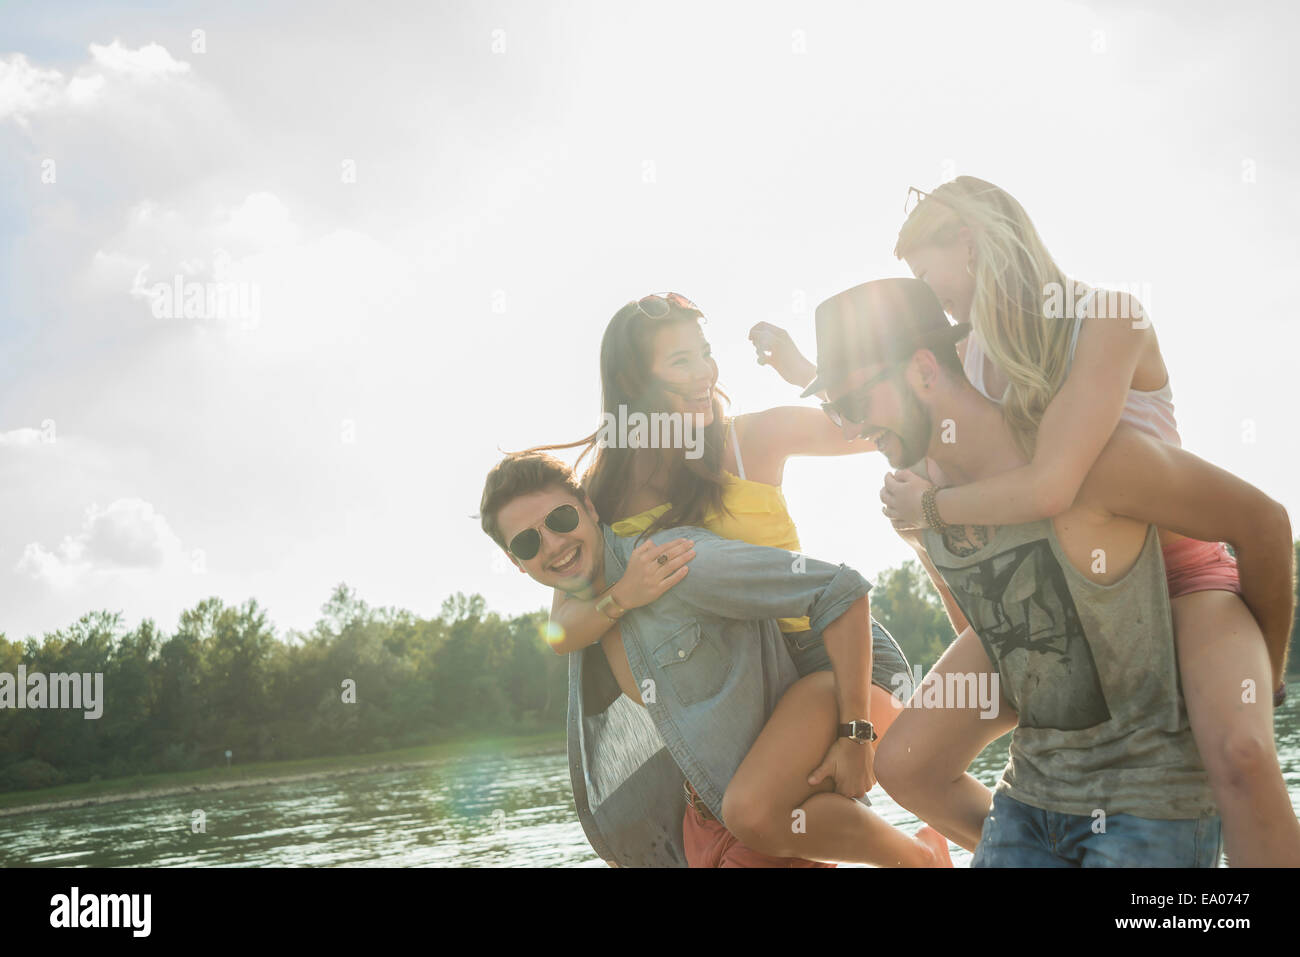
1013 273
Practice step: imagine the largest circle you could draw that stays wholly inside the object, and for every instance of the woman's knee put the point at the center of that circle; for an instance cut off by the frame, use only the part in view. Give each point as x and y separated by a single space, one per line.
1242 757
753 821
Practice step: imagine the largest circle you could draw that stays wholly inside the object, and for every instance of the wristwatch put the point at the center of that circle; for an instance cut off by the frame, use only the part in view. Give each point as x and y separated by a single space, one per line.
859 731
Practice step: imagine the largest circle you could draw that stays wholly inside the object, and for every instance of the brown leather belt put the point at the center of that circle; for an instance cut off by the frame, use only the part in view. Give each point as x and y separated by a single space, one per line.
697 802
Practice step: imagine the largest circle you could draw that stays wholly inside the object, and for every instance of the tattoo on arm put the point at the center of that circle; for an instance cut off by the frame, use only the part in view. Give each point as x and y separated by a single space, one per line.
963 540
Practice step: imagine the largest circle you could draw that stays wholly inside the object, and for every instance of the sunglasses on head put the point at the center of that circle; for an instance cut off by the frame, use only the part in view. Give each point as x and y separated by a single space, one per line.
920 195
527 543
658 306
852 406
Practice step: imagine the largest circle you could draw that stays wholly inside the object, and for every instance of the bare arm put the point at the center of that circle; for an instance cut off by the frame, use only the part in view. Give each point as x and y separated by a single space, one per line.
787 430
913 537
577 623
1145 479
848 645
1074 429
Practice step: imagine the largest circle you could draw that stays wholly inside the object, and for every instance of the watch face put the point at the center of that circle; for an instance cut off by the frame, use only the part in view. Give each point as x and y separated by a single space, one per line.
857 730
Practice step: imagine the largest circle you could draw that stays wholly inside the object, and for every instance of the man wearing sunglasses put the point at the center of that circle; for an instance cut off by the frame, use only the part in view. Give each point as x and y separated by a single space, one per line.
680 689
1072 612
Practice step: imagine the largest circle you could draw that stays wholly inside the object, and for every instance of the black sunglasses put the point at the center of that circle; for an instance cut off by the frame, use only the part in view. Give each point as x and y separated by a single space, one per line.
852 406
526 544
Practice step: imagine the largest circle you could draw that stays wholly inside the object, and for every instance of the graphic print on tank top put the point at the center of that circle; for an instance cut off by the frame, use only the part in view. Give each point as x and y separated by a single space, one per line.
1020 606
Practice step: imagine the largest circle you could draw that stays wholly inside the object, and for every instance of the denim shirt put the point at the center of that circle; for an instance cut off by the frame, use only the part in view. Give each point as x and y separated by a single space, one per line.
712 664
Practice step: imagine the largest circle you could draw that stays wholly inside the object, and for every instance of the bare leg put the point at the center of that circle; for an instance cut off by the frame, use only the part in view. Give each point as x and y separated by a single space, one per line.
923 763
770 806
1220 648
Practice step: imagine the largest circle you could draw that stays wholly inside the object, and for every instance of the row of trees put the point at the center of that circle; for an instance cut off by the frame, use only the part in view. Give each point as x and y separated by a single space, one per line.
225 681
363 679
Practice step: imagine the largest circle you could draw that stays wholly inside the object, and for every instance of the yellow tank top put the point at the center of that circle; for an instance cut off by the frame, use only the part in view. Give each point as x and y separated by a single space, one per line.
759 515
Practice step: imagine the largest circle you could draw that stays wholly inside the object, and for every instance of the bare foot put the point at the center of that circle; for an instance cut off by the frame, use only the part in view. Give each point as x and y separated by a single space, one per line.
938 845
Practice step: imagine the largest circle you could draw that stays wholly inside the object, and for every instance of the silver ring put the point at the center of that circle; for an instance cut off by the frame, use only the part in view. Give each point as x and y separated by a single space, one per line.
662 559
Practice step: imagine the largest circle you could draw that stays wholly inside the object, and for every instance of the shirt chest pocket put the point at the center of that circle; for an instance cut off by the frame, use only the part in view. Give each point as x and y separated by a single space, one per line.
693 663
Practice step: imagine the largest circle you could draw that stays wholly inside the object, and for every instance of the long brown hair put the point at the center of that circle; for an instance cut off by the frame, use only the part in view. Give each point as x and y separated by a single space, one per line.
695 486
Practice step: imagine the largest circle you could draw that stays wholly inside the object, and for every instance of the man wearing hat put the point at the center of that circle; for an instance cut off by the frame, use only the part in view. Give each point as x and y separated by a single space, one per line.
1072 612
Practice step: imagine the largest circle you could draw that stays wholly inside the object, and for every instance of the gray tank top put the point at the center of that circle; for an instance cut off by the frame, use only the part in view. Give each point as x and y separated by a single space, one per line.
1091 670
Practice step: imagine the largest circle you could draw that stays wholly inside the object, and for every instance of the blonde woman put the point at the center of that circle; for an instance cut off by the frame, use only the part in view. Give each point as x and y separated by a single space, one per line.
1068 363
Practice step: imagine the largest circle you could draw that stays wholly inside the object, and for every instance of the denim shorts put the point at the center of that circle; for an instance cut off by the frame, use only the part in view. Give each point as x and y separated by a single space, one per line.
889 667
1018 835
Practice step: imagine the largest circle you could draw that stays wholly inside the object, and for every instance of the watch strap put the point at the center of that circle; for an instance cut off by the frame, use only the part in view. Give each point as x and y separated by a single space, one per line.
859 730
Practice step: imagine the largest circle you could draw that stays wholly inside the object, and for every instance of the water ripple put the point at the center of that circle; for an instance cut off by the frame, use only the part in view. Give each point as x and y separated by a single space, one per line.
485 811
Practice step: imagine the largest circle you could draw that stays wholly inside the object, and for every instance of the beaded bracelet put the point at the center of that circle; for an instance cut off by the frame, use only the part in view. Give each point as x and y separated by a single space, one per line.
930 509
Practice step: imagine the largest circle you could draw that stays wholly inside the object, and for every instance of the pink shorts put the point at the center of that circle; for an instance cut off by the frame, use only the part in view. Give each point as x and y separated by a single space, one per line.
1193 566
709 844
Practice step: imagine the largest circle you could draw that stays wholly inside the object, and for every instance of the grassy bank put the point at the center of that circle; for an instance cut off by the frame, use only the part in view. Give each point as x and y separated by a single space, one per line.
143 785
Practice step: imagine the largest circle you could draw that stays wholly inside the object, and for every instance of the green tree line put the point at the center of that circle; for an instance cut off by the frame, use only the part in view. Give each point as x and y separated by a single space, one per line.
224 681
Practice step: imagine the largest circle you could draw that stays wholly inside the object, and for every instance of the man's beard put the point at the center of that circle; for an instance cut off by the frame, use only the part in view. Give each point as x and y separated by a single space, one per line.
915 432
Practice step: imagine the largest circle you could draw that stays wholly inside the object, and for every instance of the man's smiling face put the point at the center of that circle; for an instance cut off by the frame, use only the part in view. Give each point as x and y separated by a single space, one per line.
892 416
570 561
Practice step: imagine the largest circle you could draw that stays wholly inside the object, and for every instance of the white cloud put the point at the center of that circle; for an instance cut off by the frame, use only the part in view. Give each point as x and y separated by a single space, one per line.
16 437
148 61
85 89
313 289
25 89
127 536
261 221
157 242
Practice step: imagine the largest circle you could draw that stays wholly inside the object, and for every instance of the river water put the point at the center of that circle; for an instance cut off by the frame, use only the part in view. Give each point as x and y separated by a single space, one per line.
487 810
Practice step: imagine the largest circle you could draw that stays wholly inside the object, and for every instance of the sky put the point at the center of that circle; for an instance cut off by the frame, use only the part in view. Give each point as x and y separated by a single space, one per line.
433 209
